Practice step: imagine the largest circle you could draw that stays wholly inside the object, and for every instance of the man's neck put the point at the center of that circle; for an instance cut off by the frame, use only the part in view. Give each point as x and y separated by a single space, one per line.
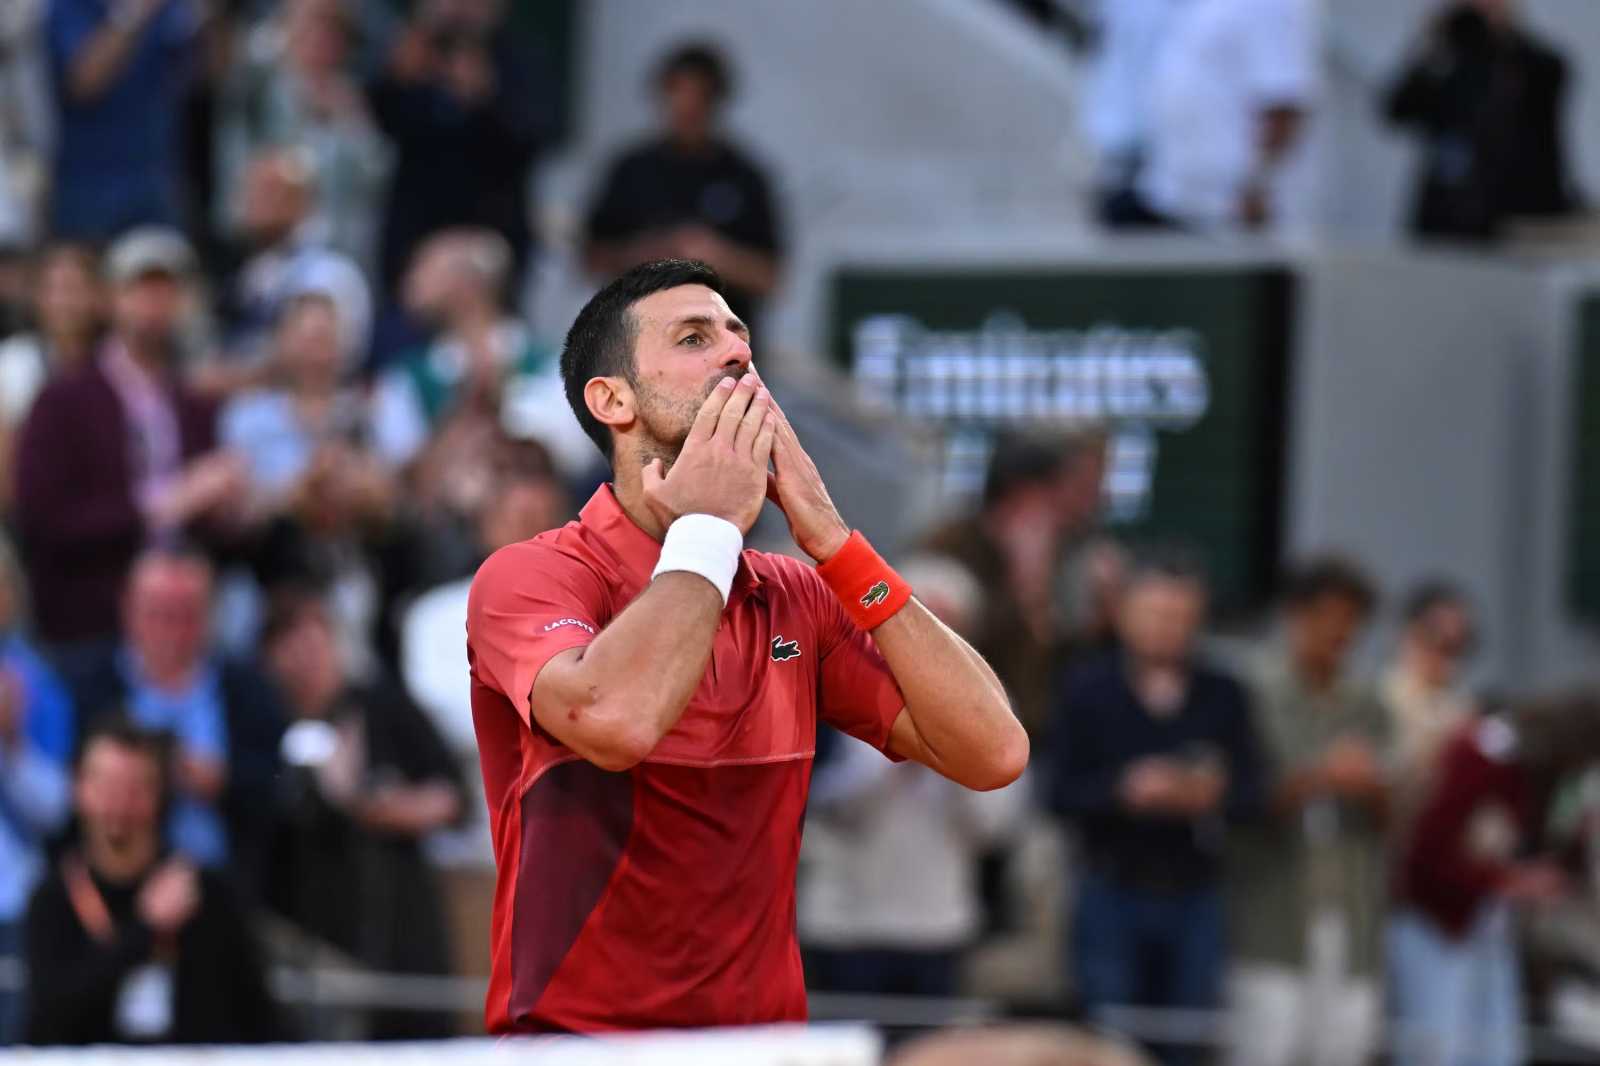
627 484
1161 687
121 865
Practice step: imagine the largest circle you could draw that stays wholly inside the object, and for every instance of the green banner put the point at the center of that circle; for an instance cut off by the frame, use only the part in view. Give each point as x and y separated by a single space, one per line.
1583 524
1186 368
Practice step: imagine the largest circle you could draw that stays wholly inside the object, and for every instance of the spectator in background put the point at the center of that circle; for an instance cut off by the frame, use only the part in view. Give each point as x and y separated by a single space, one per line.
294 88
25 132
88 502
1037 496
690 193
1116 103
126 943
121 69
278 429
481 376
1468 858
1423 690
891 900
467 108
1229 99
1307 884
69 302
1486 97
1152 754
522 501
224 720
369 779
287 258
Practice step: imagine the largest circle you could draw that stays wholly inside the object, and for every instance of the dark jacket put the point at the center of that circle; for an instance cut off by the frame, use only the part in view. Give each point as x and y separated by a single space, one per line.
255 723
1100 728
76 513
1488 105
74 980
463 164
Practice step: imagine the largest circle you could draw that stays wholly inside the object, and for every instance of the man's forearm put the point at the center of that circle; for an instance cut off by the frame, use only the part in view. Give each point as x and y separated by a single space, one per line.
626 690
957 718
102 59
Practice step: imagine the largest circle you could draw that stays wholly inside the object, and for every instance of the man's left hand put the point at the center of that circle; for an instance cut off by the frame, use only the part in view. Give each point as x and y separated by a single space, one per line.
797 489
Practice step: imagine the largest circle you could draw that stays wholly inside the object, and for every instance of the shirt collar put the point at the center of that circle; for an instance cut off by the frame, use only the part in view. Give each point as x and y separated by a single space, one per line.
637 551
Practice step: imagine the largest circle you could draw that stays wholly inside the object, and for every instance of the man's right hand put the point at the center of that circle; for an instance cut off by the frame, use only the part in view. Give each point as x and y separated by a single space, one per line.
170 898
722 469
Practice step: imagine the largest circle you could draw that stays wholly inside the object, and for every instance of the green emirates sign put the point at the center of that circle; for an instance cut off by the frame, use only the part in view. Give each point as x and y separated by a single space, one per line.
1186 368
1583 524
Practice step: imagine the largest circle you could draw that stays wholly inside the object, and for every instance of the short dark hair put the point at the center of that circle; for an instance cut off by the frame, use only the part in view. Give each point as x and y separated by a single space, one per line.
1020 461
1431 594
289 605
1166 562
119 728
1329 575
701 59
600 342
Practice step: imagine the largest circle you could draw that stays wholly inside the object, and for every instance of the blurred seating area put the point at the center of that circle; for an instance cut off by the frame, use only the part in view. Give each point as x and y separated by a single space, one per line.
1226 371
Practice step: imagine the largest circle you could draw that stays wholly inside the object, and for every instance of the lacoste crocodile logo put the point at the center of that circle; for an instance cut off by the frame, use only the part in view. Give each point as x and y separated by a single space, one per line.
876 594
783 650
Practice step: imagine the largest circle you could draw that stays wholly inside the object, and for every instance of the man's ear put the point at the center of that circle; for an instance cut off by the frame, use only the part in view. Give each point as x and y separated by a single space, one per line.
611 401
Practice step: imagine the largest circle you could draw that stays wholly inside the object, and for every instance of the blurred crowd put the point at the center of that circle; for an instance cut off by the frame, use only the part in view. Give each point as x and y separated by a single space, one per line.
1341 861
266 403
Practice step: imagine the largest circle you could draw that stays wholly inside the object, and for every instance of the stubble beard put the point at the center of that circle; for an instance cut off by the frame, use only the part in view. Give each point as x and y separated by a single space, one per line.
667 420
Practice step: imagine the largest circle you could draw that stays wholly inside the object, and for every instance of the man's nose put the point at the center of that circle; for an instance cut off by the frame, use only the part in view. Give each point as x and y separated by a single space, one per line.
738 357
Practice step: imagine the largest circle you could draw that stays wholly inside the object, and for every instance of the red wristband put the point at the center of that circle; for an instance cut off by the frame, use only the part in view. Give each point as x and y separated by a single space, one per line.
867 586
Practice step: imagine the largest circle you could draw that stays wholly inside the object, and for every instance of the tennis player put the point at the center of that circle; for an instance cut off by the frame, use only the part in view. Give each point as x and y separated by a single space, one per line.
646 692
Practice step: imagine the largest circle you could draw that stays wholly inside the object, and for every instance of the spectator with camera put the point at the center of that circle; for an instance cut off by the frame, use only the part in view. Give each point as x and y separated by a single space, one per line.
467 108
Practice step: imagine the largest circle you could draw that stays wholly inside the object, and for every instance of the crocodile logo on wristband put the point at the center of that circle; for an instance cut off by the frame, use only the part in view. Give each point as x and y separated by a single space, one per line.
876 594
783 650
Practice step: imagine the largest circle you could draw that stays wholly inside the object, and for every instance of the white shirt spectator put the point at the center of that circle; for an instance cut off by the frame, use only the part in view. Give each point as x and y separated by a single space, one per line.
1116 114
891 854
1224 63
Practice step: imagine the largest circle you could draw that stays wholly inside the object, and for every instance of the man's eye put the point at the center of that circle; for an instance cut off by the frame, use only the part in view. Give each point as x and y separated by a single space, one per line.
692 340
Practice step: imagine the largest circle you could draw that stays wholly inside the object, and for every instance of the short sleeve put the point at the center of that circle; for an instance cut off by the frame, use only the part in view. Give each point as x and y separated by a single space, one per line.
857 693
528 603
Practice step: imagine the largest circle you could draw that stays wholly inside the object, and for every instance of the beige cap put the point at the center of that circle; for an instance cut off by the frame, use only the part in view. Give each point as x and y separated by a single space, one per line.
149 250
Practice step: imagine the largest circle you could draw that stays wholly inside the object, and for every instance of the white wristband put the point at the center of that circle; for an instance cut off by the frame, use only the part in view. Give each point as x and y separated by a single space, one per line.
702 544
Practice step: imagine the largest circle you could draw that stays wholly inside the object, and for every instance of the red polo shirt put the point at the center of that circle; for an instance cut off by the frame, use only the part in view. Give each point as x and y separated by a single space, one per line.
663 895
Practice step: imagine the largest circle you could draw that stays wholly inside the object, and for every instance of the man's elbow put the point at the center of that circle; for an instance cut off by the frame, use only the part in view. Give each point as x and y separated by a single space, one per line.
1006 761
621 747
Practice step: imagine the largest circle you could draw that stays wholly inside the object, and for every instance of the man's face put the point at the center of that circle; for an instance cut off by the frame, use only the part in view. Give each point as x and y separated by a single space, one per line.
148 309
306 658
433 279
1322 632
118 794
687 105
275 200
687 341
1160 617
69 298
168 613
1078 489
1443 639
309 343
